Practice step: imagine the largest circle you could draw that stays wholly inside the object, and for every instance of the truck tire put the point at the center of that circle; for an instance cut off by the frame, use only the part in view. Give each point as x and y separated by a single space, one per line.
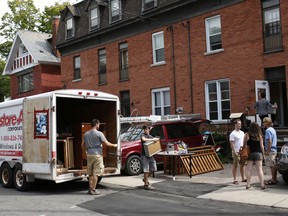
133 165
20 179
285 177
6 173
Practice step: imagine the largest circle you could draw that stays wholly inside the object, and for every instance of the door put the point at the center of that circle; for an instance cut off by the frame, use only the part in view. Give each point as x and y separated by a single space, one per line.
36 133
261 86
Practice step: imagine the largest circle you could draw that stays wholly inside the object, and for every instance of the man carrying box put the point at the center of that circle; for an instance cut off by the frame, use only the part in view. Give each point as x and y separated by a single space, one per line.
148 163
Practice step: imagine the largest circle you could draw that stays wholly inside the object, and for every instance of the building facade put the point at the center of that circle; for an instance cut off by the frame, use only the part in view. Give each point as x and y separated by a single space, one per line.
211 57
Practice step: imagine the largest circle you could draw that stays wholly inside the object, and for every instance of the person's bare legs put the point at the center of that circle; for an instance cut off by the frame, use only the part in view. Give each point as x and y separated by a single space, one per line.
260 172
93 182
248 173
145 179
274 174
242 171
234 172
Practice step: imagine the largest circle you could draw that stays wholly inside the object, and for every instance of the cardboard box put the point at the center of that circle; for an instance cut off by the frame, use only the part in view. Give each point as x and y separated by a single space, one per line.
152 147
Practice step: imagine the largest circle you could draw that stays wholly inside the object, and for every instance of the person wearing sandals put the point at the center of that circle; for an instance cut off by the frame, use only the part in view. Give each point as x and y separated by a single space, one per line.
236 142
270 149
254 141
148 163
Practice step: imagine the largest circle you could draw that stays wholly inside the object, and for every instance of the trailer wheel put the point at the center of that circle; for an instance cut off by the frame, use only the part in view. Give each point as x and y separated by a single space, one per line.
20 179
285 177
6 176
133 165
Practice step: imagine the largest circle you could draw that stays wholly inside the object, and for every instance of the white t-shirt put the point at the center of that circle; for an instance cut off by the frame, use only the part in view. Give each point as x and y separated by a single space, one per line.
237 137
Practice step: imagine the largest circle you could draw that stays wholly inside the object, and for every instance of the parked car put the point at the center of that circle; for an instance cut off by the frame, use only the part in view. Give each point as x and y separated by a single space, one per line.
168 131
282 163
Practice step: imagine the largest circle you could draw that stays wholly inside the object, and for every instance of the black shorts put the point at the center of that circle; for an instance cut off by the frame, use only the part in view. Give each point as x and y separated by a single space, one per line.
255 156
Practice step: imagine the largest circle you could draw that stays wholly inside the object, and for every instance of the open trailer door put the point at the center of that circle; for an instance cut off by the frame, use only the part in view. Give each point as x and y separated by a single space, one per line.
36 132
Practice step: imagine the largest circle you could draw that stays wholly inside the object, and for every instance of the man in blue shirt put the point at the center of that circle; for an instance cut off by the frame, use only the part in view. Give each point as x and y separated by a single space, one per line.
270 149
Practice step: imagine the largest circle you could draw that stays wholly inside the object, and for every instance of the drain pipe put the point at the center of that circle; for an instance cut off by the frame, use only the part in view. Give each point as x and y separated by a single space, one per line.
190 66
173 68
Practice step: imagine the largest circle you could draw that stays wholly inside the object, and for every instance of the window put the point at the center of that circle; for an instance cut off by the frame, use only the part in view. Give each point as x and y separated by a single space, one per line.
115 10
77 68
213 33
70 31
25 82
272 25
102 66
22 50
148 4
158 47
94 18
161 101
125 103
123 54
217 99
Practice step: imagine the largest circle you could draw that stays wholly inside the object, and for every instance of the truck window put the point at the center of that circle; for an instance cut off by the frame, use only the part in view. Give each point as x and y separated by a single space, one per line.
157 131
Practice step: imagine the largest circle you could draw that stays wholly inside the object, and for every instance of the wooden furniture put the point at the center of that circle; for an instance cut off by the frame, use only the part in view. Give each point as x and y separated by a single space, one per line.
65 152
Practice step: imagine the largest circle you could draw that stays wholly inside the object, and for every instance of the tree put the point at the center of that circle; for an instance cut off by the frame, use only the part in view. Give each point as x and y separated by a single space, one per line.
48 14
4 83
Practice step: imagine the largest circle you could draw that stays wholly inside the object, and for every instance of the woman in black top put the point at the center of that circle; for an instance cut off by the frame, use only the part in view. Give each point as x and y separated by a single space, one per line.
254 140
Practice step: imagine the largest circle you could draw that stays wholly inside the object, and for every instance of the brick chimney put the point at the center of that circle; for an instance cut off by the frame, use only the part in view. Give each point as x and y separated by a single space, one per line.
55 25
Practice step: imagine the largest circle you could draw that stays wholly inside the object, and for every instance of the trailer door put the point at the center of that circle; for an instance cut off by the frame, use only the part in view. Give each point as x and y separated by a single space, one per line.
36 132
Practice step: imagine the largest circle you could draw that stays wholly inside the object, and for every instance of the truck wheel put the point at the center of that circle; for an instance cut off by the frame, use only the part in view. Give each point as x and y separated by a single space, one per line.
6 176
285 177
133 165
20 179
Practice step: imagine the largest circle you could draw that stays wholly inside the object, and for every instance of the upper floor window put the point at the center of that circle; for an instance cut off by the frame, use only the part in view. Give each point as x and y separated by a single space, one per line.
125 103
148 4
70 29
77 68
217 96
102 66
213 33
158 47
25 82
94 18
22 50
272 25
123 54
115 10
161 101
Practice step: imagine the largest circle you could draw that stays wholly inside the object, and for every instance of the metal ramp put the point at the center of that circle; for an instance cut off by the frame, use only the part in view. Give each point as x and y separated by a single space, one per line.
204 159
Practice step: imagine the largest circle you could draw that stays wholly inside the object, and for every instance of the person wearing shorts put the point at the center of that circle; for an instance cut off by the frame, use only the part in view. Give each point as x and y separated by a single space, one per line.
270 149
93 141
148 163
236 142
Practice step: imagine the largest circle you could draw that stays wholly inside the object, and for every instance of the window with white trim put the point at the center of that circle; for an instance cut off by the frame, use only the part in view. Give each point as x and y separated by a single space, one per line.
94 18
123 61
213 33
158 47
102 73
25 82
149 4
115 10
161 101
77 68
70 30
217 95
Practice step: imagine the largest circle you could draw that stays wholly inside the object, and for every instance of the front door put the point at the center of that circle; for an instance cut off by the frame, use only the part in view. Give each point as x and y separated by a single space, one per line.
261 86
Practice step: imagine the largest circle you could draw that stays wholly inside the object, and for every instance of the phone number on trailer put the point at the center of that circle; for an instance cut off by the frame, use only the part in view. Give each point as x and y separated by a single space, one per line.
11 138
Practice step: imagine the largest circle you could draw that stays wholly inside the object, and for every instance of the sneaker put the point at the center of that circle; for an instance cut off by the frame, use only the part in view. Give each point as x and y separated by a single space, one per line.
94 192
148 187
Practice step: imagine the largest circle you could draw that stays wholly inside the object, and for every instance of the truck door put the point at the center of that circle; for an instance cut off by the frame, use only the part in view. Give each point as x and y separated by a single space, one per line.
261 86
36 134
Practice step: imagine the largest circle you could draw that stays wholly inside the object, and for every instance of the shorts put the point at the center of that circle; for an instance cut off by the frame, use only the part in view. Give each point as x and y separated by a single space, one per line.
255 156
95 166
149 164
236 159
270 160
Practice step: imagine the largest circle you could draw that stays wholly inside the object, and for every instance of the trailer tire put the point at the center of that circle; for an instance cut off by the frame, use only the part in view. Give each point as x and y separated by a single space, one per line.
20 179
6 173
133 165
285 177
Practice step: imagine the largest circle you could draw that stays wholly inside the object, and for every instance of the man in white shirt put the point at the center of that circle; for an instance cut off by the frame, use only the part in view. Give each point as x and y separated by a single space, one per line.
236 142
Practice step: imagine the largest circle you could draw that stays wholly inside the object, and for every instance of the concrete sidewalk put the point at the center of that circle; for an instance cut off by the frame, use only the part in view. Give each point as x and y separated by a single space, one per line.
220 184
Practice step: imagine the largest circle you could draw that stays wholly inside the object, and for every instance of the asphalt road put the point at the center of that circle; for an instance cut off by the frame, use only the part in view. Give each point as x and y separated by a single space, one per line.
47 199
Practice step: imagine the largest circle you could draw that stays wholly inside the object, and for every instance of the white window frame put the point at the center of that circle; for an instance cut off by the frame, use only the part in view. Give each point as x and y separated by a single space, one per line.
70 27
77 68
94 17
208 34
218 99
116 10
155 36
162 100
146 2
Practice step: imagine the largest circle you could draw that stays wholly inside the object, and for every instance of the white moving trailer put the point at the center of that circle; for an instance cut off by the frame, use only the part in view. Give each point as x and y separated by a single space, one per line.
41 136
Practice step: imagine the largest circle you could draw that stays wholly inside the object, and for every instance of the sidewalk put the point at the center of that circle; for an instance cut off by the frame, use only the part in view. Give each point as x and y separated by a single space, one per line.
220 187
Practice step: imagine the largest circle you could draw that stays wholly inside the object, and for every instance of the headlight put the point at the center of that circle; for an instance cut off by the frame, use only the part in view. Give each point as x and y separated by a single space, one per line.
284 149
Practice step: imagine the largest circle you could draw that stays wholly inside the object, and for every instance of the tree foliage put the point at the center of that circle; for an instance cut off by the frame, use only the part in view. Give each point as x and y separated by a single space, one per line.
4 83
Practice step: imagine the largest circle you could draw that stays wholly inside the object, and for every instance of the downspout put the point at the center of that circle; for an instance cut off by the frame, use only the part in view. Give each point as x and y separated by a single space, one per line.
173 68
190 66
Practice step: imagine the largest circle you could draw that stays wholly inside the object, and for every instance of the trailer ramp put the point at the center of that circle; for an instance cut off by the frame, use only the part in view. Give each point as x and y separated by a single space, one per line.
204 159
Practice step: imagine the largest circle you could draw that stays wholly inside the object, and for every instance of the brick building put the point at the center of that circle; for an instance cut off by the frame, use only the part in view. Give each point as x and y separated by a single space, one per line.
33 63
211 57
